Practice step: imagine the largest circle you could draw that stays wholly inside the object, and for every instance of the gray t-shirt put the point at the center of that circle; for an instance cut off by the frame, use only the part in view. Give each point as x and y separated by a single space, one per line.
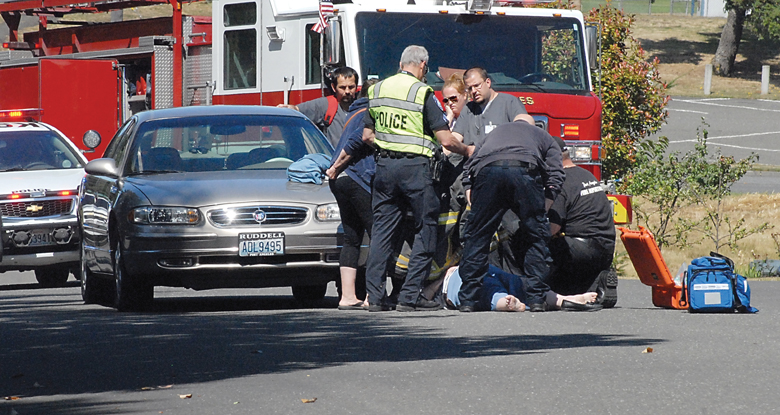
476 121
316 109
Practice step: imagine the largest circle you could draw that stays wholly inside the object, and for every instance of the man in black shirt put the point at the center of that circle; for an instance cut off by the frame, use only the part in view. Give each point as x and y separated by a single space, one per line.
583 233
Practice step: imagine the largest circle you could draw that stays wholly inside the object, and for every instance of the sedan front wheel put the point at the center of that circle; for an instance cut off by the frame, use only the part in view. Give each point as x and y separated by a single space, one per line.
131 294
94 290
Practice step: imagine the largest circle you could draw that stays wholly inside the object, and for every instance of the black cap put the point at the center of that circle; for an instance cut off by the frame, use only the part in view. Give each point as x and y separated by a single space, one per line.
560 142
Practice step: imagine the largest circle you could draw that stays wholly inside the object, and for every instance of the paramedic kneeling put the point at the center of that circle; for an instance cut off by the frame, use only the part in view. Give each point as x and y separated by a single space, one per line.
583 232
407 124
503 174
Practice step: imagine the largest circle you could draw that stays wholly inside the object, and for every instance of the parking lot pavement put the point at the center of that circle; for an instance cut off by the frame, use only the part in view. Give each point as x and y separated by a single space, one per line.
260 352
736 127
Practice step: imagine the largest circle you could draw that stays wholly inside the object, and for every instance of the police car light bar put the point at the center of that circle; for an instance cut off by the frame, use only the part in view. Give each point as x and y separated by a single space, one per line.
27 114
521 3
480 5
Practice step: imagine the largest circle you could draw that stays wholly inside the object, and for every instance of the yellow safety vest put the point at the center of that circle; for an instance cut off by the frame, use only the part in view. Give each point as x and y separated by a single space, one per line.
396 105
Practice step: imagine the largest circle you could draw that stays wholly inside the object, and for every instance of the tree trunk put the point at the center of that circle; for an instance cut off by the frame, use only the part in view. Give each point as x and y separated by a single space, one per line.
723 62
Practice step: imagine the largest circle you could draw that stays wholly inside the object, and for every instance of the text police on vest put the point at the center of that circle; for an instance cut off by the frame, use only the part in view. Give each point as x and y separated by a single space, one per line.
389 120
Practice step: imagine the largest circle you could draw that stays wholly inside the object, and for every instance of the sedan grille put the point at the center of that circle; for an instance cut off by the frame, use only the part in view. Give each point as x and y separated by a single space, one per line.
254 215
36 209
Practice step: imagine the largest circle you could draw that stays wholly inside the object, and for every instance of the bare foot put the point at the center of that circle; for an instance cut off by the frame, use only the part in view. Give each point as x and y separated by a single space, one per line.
580 298
510 303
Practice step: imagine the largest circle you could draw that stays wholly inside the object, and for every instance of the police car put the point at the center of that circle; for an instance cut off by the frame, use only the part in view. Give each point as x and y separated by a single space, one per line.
40 172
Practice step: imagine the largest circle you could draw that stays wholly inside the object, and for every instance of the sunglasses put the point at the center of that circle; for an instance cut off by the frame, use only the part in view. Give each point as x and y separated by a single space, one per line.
453 99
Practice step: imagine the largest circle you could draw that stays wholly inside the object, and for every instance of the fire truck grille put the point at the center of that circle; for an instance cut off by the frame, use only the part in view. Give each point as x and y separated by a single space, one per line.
36 209
254 215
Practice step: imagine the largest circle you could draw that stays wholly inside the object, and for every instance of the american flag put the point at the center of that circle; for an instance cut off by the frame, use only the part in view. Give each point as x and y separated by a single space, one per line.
326 10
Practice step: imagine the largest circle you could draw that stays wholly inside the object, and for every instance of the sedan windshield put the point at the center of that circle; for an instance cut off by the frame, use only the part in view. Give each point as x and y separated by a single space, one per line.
521 53
215 143
36 150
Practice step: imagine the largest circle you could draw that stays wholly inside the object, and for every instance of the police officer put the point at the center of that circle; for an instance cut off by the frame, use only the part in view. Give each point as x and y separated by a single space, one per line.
518 167
407 125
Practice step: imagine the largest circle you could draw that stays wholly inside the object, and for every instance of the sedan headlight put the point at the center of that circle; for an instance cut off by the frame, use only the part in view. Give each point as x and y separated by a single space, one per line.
153 215
329 212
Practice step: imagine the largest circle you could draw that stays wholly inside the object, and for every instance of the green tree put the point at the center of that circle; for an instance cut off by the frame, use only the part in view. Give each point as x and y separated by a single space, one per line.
761 16
633 96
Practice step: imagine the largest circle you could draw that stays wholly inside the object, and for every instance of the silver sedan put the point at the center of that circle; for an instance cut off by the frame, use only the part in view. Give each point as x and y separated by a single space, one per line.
198 197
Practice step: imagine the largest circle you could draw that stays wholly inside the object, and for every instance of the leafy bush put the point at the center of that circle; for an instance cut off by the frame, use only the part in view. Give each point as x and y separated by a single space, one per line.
671 181
632 93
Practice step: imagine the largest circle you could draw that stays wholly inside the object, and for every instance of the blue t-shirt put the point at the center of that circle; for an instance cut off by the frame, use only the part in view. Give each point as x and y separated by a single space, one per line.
362 165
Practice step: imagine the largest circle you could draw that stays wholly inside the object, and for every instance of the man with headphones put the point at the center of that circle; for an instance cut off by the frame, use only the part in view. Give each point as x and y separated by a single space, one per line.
329 113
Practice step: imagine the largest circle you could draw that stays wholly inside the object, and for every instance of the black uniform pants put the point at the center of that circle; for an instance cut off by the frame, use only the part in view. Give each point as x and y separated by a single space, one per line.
577 263
496 189
401 184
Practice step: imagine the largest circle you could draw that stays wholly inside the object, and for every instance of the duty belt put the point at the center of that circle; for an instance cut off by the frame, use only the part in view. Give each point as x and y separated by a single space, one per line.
513 163
397 154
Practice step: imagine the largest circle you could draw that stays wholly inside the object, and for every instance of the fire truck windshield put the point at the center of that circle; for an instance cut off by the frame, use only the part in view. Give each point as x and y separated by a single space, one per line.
521 53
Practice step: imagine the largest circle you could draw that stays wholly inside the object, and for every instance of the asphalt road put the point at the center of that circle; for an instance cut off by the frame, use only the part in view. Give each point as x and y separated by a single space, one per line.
736 127
260 353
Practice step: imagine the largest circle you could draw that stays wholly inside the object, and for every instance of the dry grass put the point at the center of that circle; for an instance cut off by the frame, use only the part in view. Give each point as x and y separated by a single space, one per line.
756 209
684 45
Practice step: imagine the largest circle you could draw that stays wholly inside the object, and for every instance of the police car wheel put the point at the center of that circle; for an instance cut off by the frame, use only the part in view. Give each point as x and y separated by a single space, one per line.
52 276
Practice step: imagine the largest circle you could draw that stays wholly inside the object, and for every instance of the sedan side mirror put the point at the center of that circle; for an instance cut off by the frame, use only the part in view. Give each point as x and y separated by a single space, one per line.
102 167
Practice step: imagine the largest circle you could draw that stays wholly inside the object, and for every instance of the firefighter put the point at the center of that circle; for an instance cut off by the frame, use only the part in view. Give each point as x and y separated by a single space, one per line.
407 125
518 167
329 113
583 237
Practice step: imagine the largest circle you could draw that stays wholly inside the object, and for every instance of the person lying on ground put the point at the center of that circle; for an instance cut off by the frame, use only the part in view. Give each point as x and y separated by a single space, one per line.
502 291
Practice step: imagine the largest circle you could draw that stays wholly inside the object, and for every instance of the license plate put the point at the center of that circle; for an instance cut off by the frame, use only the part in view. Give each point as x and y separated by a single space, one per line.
41 238
261 244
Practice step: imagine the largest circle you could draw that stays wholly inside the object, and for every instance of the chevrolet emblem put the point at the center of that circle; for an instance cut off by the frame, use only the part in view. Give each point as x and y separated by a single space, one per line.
34 208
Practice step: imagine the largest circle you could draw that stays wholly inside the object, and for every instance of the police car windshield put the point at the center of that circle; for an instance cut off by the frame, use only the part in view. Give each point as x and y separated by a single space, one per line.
36 150
520 53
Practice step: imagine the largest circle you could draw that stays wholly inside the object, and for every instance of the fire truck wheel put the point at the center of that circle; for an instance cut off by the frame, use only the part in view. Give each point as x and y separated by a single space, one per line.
53 276
131 294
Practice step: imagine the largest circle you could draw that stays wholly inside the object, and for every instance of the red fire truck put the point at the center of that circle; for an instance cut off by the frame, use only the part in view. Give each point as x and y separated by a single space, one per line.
91 76
265 52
